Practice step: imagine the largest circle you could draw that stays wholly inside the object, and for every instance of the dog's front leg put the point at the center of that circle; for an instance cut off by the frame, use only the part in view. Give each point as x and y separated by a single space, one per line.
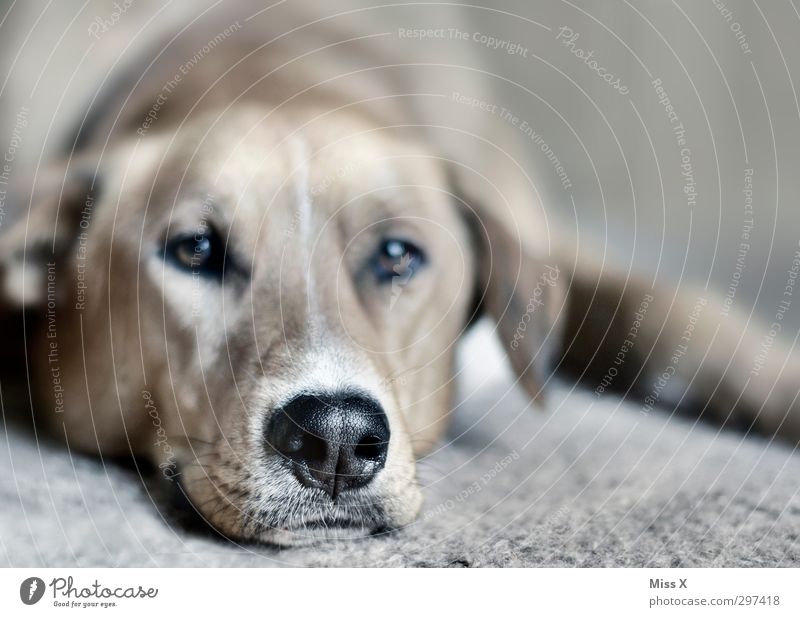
681 348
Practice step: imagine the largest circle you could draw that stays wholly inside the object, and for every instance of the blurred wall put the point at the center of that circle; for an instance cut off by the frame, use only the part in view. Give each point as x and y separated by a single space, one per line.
730 72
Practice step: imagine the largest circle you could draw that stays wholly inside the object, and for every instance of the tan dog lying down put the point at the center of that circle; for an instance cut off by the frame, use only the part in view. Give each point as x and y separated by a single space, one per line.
257 274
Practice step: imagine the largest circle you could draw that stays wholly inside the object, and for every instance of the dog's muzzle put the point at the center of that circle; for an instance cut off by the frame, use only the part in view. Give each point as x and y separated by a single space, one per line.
333 442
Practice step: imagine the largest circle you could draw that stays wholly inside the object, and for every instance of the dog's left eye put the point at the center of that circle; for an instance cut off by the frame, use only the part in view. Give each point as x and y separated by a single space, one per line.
397 259
203 254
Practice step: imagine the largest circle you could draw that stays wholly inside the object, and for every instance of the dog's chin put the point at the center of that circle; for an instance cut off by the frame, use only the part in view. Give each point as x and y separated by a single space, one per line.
316 527
318 532
273 508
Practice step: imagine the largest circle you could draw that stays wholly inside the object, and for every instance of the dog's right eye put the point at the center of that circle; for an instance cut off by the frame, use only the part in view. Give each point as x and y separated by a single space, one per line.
202 254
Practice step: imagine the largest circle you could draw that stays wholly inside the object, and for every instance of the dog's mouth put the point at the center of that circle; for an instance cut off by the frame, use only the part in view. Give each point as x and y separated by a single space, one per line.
317 519
309 530
282 514
321 530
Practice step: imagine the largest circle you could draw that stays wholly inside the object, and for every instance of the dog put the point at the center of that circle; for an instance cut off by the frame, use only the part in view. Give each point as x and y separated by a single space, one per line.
254 257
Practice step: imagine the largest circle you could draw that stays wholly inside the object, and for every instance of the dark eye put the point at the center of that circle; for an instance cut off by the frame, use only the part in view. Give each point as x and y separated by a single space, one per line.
397 260
201 253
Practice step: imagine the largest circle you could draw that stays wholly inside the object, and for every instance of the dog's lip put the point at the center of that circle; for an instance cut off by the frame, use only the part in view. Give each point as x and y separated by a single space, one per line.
334 524
318 530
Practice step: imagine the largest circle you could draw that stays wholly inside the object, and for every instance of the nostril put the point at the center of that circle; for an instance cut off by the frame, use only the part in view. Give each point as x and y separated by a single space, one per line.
371 447
312 448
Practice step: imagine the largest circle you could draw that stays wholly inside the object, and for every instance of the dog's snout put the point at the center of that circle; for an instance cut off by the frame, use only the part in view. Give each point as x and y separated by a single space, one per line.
334 442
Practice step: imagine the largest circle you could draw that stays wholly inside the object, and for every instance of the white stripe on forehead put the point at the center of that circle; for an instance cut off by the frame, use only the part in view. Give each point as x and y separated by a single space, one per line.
301 173
302 183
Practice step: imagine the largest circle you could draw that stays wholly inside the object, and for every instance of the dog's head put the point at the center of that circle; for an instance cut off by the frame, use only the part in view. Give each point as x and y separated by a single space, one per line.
269 303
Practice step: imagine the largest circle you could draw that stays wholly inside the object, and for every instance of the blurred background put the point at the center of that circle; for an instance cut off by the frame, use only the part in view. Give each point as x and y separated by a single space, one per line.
661 188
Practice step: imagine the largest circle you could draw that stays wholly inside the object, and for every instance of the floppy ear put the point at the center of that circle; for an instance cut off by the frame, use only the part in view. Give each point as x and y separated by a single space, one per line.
519 286
43 232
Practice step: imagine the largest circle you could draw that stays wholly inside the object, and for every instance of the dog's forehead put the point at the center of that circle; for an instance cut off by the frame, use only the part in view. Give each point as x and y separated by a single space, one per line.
267 174
268 144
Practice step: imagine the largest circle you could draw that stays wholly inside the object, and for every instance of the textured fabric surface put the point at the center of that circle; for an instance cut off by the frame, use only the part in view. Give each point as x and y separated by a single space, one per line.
587 482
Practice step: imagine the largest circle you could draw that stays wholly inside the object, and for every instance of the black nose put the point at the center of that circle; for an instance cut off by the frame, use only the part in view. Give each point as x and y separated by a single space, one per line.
334 442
